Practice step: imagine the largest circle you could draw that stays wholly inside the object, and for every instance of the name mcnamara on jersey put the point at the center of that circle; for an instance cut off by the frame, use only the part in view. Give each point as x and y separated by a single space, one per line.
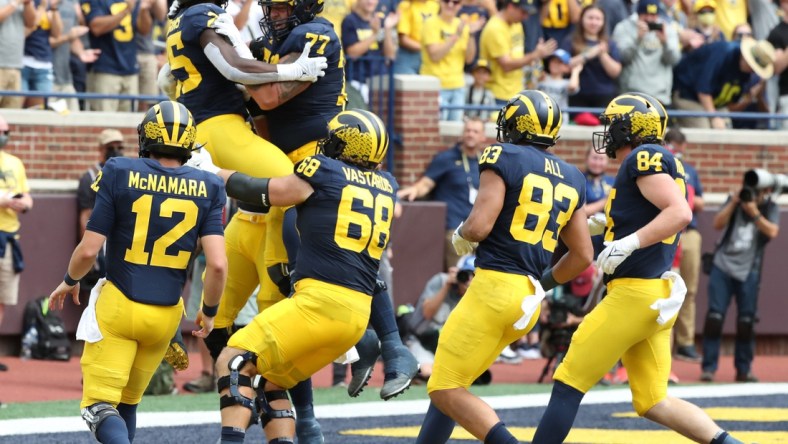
167 184
369 178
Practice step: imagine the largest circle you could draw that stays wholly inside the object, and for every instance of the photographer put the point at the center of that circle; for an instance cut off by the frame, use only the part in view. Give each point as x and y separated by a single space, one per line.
649 49
441 294
750 219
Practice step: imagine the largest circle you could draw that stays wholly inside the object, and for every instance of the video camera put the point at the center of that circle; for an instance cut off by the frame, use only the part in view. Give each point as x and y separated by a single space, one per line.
759 179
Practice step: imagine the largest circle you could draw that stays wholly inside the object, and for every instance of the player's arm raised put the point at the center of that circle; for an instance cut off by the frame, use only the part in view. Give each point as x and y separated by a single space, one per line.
272 95
245 70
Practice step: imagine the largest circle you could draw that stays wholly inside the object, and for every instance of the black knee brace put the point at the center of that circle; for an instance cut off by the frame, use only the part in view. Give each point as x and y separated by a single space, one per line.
713 326
268 413
97 413
280 275
235 380
745 329
217 340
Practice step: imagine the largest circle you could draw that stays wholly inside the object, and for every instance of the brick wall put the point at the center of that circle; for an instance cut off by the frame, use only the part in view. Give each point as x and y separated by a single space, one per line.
62 147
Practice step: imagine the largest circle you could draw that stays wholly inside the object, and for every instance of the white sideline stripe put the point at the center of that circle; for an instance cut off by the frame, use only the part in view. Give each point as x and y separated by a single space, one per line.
393 408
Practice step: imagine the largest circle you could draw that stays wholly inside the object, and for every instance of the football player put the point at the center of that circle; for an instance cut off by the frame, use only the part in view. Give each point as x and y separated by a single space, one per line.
646 210
151 212
294 115
345 209
528 198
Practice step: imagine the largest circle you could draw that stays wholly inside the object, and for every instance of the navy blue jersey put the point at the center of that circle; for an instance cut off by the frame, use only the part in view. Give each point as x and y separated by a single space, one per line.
355 29
627 211
305 117
37 42
454 174
201 87
542 193
118 50
152 217
712 69
345 224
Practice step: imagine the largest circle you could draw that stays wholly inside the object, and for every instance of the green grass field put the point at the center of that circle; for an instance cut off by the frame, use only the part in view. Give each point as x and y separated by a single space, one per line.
209 401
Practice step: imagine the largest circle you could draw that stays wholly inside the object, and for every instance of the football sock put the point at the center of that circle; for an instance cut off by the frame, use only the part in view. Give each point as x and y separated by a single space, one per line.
113 431
436 428
301 395
129 414
382 315
559 415
232 435
722 437
499 434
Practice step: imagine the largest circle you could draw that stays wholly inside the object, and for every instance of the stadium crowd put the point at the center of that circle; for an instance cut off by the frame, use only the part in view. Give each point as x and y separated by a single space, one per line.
323 163
700 55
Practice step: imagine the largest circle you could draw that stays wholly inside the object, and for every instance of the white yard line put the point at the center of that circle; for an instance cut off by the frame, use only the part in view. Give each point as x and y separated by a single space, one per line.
393 408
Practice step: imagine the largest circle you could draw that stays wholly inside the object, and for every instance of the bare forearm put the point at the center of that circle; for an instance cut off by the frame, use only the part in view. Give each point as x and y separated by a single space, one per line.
82 260
104 24
433 304
213 285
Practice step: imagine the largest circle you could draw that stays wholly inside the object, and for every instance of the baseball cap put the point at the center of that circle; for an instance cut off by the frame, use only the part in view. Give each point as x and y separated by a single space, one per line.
649 6
526 5
561 54
481 63
110 135
581 285
467 263
700 4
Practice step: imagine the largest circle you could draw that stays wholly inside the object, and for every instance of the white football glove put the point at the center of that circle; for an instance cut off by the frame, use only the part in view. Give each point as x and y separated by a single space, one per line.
616 252
462 246
225 26
167 82
304 69
596 224
201 160
176 5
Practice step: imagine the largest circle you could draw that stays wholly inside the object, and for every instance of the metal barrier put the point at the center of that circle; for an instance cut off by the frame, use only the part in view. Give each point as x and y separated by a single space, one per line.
677 113
379 93
84 96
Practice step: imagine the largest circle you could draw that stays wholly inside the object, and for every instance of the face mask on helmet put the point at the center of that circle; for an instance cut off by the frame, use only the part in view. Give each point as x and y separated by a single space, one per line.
531 117
631 119
299 12
356 136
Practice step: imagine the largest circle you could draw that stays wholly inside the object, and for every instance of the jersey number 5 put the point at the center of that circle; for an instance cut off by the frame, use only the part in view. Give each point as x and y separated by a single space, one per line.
364 234
159 258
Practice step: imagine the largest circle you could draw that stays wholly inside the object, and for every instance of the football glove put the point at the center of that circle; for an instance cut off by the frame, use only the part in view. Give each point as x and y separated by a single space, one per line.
304 69
167 82
596 224
225 26
201 160
462 246
616 252
174 8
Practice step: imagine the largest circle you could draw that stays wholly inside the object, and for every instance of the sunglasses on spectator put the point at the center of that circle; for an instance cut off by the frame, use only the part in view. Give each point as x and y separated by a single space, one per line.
452 2
115 146
6 132
740 35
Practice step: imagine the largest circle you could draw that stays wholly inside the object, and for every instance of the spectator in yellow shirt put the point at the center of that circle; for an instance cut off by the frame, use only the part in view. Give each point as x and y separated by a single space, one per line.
503 45
446 47
412 14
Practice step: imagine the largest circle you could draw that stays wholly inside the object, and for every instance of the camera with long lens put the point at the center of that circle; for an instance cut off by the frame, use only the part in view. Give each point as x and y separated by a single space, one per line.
759 179
464 276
